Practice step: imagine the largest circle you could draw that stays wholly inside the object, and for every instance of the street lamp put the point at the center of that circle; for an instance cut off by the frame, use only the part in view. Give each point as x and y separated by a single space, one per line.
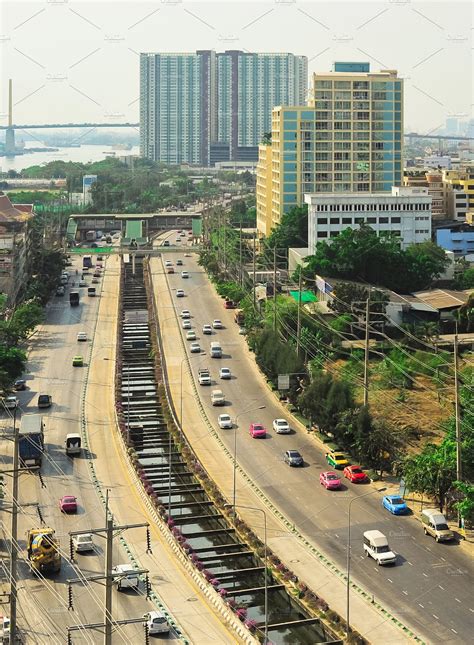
265 601
260 407
348 585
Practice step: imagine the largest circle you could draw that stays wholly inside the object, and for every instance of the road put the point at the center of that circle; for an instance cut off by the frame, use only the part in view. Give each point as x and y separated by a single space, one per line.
430 589
42 605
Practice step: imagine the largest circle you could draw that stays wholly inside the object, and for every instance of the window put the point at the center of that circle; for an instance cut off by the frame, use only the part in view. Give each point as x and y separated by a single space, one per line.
347 220
322 234
383 220
334 233
323 85
371 220
335 220
359 220
322 220
395 220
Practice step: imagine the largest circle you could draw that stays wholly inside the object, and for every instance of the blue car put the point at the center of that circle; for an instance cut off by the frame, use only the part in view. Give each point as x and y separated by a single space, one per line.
395 504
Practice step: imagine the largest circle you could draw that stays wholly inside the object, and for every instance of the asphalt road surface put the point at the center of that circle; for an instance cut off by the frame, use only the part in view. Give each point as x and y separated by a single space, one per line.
431 587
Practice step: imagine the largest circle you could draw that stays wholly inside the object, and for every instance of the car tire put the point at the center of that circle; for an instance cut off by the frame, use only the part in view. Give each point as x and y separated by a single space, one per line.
426 532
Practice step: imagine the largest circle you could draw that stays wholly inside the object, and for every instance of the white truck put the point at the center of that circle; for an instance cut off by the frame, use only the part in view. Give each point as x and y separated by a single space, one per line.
204 376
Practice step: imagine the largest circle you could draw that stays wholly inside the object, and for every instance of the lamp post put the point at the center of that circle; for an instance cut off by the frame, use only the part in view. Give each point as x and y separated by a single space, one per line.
348 585
260 407
265 601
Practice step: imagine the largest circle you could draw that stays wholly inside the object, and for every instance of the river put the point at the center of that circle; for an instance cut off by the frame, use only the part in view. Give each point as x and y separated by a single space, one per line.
83 154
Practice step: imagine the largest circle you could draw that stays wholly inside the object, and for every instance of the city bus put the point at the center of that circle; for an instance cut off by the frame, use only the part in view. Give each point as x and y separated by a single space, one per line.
87 262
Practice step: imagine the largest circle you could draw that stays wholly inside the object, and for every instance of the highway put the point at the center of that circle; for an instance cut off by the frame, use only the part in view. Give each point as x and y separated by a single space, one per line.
43 614
430 588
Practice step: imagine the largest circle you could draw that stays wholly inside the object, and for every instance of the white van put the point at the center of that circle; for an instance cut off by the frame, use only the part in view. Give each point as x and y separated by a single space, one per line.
434 524
216 350
126 577
376 545
217 397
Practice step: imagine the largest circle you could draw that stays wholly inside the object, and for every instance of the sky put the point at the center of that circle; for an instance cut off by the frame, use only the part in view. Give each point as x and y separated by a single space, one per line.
78 61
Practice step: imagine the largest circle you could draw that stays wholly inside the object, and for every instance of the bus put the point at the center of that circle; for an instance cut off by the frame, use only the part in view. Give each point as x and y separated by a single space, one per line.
87 262
91 236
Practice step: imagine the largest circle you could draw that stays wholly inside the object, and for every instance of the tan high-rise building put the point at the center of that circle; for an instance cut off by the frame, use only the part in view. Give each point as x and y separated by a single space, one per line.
264 188
349 138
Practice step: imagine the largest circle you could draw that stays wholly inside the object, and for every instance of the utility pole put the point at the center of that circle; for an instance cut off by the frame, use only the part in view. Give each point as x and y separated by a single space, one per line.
108 576
254 266
109 523
225 247
298 328
457 408
366 353
14 534
274 289
241 272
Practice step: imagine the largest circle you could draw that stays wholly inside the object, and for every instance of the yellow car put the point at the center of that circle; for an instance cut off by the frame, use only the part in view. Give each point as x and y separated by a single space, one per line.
336 459
77 361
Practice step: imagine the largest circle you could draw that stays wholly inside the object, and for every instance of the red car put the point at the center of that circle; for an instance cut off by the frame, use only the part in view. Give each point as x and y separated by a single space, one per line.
257 431
68 504
355 474
330 480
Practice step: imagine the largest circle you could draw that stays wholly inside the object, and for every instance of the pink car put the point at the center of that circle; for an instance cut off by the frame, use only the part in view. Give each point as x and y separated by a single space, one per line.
330 480
257 431
68 504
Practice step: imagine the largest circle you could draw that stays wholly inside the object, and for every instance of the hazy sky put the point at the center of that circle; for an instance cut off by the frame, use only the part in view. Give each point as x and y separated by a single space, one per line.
79 61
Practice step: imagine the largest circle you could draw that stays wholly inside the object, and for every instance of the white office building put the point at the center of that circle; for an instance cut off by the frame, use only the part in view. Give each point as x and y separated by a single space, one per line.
406 212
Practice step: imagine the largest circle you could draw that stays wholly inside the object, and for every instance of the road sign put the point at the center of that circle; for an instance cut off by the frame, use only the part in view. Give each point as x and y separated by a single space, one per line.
283 381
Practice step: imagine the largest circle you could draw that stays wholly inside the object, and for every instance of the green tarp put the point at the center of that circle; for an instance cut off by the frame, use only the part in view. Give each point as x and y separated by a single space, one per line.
306 296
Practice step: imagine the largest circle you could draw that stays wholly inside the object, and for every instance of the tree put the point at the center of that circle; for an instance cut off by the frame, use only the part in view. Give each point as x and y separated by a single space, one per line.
466 505
312 402
465 280
22 321
360 254
378 444
12 364
432 472
292 230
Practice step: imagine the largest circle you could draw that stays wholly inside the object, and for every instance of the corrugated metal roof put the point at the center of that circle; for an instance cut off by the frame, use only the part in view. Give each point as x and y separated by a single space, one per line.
443 298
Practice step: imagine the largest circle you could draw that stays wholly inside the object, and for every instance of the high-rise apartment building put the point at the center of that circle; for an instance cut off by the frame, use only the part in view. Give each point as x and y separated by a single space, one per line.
349 138
205 107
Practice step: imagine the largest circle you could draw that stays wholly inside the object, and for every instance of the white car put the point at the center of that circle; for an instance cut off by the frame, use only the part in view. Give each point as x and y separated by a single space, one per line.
168 263
217 324
224 421
207 329
191 335
186 324
225 373
83 542
81 336
184 274
156 623
185 314
10 402
179 293
125 577
5 633
195 348
281 426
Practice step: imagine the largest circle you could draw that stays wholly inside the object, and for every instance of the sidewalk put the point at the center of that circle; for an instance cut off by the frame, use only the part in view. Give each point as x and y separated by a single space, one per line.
194 616
303 559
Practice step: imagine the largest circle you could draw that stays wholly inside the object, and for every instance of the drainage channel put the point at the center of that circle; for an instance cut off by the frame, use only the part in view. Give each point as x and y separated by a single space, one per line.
230 565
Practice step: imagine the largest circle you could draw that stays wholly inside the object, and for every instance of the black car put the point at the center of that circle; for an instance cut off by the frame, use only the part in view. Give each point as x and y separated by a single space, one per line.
19 384
293 458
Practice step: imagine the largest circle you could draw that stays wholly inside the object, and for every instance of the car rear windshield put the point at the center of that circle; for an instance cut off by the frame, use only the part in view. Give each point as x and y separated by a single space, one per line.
397 500
357 471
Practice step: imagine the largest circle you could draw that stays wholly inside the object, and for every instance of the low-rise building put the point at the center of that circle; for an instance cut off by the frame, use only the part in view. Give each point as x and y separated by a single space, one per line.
459 193
406 212
458 238
15 247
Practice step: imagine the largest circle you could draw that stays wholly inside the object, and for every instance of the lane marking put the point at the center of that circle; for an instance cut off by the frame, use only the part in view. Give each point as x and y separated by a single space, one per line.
390 580
405 592
442 588
426 575
422 606
443 559
457 600
408 562
453 630
435 616
471 610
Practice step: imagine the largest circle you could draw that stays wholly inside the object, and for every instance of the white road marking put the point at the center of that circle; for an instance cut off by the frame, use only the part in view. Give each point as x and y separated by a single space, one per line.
442 588
426 575
390 580
405 592
336 535
471 610
435 616
443 559
422 606
408 562
457 600
453 630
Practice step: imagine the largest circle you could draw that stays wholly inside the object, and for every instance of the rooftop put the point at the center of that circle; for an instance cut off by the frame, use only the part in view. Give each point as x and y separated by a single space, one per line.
12 213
